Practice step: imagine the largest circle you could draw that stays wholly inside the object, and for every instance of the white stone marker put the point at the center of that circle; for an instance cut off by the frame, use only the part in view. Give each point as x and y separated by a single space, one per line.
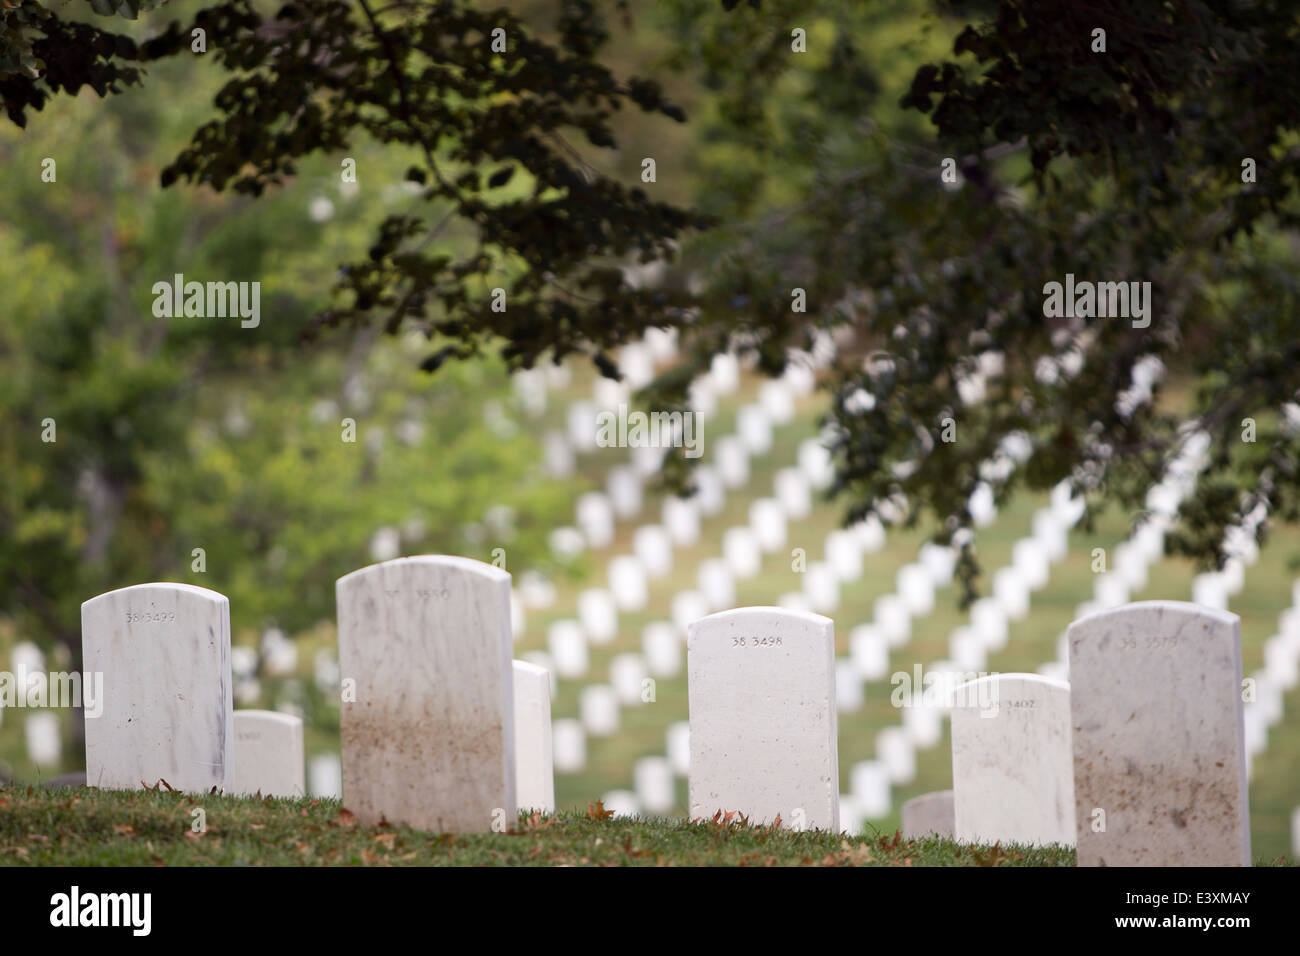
662 648
627 674
1012 775
655 788
570 742
755 429
767 521
534 770
595 516
41 734
869 784
164 652
598 704
430 739
733 461
710 492
761 690
681 516
623 488
598 614
677 745
1158 728
715 582
568 646
741 552
869 651
269 754
653 545
792 490
628 583
844 554
325 774
930 814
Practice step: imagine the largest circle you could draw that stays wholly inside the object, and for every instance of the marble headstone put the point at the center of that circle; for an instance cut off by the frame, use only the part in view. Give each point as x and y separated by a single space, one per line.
164 653
1158 734
930 814
534 770
1012 775
269 754
761 695
429 740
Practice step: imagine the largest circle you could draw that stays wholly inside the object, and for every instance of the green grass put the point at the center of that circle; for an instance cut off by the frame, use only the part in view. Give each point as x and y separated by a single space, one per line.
88 827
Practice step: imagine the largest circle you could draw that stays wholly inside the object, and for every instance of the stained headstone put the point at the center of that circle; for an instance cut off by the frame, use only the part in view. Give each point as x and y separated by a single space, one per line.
1158 737
761 689
534 772
269 754
427 641
930 814
164 653
1012 774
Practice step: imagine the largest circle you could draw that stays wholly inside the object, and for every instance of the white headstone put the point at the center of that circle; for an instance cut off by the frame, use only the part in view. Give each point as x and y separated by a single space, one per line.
429 740
929 815
653 546
595 517
916 588
599 615
681 516
582 426
792 490
534 772
724 373
741 552
761 694
777 401
628 583
844 554
687 607
767 521
569 740
1029 558
754 429
567 644
598 705
815 462
848 688
716 584
869 783
623 486
871 534
1011 591
1159 737
678 747
1012 774
325 776
894 750
627 673
42 736
710 490
662 648
164 653
655 788
821 585
889 615
989 623
732 461
869 651
269 754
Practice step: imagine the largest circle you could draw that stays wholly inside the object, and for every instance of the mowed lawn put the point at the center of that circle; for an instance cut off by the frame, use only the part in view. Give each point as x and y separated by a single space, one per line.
88 827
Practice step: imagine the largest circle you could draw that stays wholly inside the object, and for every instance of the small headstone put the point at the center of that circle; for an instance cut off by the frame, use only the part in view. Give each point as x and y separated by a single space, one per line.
655 788
894 750
741 552
815 462
848 688
916 588
569 742
325 776
732 461
777 401
1011 766
889 615
754 429
595 517
164 653
598 705
716 583
653 546
688 606
269 754
821 585
792 490
870 533
681 516
767 521
662 648
628 583
623 486
844 555
427 641
568 648
929 815
869 783
677 744
627 674
534 773
724 373
558 455
44 744
710 490
1011 591
869 651
1158 737
761 688
599 615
